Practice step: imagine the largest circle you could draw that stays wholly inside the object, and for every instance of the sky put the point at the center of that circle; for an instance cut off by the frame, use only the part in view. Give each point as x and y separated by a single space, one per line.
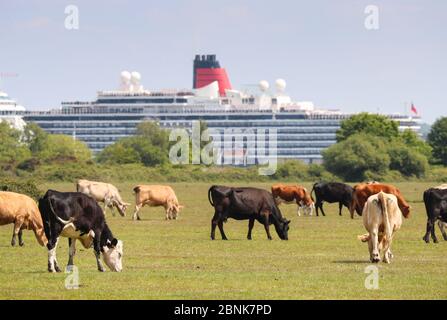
321 48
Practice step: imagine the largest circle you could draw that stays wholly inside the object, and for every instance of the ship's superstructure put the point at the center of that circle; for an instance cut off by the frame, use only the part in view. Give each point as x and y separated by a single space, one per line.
302 130
11 111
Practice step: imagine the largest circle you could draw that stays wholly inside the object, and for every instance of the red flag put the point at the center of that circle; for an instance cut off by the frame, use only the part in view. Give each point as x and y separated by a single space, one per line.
413 109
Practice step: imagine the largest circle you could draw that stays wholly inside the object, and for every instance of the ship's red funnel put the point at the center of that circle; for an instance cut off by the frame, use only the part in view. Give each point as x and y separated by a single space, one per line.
207 70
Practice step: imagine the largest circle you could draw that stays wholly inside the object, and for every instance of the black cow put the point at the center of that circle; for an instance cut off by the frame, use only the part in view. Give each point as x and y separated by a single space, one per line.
332 192
78 217
246 204
436 205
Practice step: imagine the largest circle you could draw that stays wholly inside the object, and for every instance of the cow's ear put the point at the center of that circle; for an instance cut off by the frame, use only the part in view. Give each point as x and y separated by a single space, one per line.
114 242
287 221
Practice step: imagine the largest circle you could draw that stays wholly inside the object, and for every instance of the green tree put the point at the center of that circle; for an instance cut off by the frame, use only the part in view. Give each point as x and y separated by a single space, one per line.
155 135
371 124
150 146
412 140
437 138
408 161
60 147
35 137
118 153
12 149
359 154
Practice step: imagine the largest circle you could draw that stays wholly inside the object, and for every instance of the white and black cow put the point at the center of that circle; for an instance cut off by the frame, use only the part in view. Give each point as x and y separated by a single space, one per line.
435 200
78 217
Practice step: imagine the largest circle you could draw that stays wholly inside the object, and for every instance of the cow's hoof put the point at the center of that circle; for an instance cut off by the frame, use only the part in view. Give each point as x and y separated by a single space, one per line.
57 269
248 238
426 239
101 270
435 240
21 244
225 239
13 243
445 237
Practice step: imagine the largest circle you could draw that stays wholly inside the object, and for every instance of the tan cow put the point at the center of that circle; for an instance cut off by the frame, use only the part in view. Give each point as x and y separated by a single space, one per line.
382 217
155 196
293 194
23 212
103 192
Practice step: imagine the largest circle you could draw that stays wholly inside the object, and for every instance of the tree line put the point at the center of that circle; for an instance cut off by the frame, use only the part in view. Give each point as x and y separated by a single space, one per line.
368 147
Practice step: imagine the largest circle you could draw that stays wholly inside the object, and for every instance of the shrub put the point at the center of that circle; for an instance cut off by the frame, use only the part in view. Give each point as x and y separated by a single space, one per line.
28 187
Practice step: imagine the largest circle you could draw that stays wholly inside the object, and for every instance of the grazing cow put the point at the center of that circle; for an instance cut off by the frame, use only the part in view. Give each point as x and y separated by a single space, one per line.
21 211
155 196
105 193
332 192
363 191
246 203
435 200
78 217
293 194
381 218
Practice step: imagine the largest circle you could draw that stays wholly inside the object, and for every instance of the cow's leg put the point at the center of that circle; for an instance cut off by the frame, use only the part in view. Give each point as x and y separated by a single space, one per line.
251 223
97 250
340 206
222 233
375 256
433 233
266 224
136 216
52 261
426 237
16 230
168 212
441 225
213 225
20 234
71 251
321 207
317 206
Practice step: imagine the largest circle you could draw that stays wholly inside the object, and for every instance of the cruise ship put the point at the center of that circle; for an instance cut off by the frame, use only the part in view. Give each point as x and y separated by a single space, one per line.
11 111
302 130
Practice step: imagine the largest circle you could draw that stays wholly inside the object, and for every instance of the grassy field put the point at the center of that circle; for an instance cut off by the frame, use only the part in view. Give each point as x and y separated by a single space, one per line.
177 260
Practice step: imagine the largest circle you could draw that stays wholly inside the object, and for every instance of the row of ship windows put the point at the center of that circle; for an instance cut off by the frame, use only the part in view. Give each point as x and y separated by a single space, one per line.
86 136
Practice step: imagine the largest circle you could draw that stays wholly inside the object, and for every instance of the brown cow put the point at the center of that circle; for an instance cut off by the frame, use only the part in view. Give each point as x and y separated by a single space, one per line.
293 194
23 212
363 191
155 196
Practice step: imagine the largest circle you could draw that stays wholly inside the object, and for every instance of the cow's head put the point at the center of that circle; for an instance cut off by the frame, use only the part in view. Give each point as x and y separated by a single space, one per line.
113 254
122 207
282 228
406 211
176 210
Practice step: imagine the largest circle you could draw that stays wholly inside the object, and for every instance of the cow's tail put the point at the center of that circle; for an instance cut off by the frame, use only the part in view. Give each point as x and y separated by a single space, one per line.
312 191
386 218
209 196
64 222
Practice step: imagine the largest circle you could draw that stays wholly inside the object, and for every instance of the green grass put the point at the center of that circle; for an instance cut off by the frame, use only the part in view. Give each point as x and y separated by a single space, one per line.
177 260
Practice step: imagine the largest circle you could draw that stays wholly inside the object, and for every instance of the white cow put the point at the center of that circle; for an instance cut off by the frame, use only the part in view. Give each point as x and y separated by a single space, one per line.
105 193
382 218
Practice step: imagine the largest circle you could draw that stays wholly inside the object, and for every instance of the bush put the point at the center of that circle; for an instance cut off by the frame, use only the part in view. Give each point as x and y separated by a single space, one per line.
408 161
352 158
25 187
